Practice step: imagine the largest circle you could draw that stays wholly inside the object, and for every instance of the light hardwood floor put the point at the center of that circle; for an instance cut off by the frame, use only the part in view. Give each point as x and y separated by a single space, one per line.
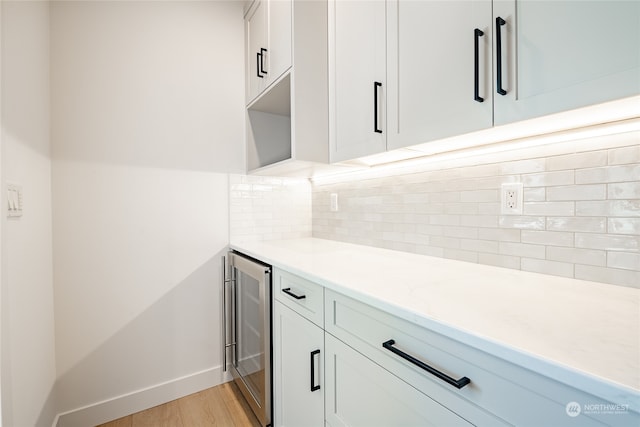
221 406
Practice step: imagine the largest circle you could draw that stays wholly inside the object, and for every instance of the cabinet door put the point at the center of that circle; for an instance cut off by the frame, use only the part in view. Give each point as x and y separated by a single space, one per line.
560 55
256 42
278 58
432 69
357 78
361 393
298 370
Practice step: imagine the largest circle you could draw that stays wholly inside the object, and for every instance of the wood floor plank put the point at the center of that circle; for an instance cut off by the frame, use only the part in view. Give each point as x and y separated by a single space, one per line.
167 415
120 422
238 407
220 406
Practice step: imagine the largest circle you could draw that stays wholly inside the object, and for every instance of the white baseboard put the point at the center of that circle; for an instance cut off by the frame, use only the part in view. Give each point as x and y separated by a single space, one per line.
117 407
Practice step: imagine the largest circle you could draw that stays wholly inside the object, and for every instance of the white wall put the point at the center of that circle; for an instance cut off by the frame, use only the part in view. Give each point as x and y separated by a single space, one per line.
28 348
147 120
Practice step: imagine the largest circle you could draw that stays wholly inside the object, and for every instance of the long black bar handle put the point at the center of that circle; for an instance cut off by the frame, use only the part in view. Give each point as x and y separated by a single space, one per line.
262 52
376 85
258 62
288 292
499 23
314 387
476 65
446 378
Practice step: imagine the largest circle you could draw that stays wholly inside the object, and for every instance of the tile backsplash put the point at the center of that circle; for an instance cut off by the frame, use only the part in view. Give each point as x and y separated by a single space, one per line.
266 208
581 213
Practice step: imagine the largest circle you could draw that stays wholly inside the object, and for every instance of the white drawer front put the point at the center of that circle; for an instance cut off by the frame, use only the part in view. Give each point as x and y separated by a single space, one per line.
510 392
362 394
302 296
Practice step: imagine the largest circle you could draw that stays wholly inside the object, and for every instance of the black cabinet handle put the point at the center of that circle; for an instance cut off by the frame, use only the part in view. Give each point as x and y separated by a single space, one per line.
499 23
288 292
262 52
476 65
258 62
314 387
376 85
446 378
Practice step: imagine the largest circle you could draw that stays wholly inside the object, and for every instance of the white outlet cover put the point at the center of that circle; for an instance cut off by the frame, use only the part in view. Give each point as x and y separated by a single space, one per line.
511 198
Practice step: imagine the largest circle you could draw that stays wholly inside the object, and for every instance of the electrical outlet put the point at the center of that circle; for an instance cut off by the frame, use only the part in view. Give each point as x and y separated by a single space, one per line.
511 199
334 202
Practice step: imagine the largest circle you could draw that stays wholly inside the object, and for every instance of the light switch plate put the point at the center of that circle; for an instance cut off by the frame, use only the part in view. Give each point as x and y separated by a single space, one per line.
14 200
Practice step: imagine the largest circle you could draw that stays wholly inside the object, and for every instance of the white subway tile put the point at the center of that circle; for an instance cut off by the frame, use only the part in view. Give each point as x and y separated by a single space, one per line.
548 178
624 190
506 261
444 242
461 255
499 234
522 250
624 226
549 238
489 208
608 275
480 196
628 208
577 192
624 155
578 160
609 242
554 268
479 221
549 208
522 166
608 174
535 194
578 224
522 222
577 255
625 260
461 208
463 232
486 246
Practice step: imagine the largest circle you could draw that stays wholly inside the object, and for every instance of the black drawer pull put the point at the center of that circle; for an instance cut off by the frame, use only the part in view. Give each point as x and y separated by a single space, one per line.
288 292
314 387
376 85
477 33
499 23
444 377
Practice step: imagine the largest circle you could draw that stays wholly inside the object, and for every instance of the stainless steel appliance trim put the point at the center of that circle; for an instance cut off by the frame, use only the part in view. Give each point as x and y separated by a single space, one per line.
261 273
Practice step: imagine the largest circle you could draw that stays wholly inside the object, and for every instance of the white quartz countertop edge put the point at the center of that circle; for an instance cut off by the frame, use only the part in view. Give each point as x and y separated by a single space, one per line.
362 273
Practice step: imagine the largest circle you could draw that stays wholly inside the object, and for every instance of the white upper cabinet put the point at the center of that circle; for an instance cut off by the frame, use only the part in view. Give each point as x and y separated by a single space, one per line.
268 39
256 45
357 78
447 68
439 83
560 55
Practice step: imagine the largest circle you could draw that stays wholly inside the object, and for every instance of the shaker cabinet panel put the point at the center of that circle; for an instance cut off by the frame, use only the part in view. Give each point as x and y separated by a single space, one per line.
362 393
357 78
256 44
278 57
298 370
439 83
561 55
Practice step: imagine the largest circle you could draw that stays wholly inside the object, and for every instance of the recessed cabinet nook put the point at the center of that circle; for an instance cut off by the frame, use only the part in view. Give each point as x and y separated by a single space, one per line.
330 81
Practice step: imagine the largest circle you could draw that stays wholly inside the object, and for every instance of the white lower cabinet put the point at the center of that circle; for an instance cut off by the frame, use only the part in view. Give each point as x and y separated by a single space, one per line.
298 370
340 362
361 393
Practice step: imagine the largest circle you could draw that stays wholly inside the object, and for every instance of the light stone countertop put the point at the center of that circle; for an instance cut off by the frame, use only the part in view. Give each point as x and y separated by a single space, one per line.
582 333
